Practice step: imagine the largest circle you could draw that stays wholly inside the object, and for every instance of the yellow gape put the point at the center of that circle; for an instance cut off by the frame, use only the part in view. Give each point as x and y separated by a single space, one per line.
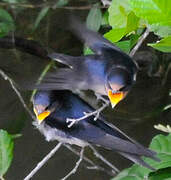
42 115
115 98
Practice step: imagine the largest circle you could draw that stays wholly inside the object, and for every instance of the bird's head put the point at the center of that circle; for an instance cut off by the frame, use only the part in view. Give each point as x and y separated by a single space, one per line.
43 105
118 83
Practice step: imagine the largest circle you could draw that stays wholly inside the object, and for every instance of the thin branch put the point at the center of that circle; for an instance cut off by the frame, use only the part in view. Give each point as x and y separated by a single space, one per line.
139 43
43 161
2 178
7 78
98 155
93 165
163 128
76 165
86 115
51 5
106 2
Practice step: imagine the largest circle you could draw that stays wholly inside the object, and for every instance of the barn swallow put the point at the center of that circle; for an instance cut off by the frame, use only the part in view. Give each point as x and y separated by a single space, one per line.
108 72
52 108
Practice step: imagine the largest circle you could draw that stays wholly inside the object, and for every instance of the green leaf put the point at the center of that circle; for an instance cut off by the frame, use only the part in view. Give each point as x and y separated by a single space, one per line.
6 23
159 30
115 35
122 19
105 18
132 22
163 45
118 12
134 38
162 145
87 51
154 11
61 3
124 45
161 174
94 18
41 15
6 151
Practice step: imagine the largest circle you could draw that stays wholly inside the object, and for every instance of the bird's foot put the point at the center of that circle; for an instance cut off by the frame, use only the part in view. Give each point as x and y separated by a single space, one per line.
86 115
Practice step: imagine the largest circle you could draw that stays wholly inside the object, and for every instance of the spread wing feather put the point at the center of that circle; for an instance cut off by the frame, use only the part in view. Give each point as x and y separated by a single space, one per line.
63 79
92 39
70 61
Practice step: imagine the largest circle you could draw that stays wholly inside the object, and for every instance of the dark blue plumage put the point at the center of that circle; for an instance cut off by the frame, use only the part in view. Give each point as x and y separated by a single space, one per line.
69 105
109 69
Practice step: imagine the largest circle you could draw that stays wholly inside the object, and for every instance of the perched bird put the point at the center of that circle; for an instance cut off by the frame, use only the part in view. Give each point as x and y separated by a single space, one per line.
108 72
52 108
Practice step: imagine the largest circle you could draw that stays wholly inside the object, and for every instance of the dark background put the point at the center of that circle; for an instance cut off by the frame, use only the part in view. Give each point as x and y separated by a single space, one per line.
136 115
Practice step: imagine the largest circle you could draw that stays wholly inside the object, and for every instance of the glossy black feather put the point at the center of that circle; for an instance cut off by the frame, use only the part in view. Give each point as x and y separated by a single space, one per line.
95 132
92 71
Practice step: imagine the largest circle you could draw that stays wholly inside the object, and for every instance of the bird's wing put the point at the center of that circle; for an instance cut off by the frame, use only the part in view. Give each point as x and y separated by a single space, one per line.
63 79
91 38
113 130
126 148
64 59
98 136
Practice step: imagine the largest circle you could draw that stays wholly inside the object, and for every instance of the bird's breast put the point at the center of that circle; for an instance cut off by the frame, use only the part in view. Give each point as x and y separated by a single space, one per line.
52 134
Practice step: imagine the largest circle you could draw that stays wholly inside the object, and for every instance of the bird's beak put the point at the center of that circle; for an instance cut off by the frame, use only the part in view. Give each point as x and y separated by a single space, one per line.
115 98
41 115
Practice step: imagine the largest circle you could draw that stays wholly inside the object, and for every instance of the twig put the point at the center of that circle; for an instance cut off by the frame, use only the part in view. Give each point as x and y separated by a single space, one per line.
51 5
86 115
98 155
76 165
2 178
106 2
43 161
160 127
93 165
140 41
7 78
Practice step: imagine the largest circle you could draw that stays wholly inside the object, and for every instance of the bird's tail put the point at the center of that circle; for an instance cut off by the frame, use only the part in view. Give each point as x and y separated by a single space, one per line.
138 160
130 150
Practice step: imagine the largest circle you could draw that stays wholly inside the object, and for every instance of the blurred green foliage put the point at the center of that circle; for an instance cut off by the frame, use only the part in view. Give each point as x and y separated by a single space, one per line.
6 23
127 16
94 18
128 19
162 145
6 151
163 45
